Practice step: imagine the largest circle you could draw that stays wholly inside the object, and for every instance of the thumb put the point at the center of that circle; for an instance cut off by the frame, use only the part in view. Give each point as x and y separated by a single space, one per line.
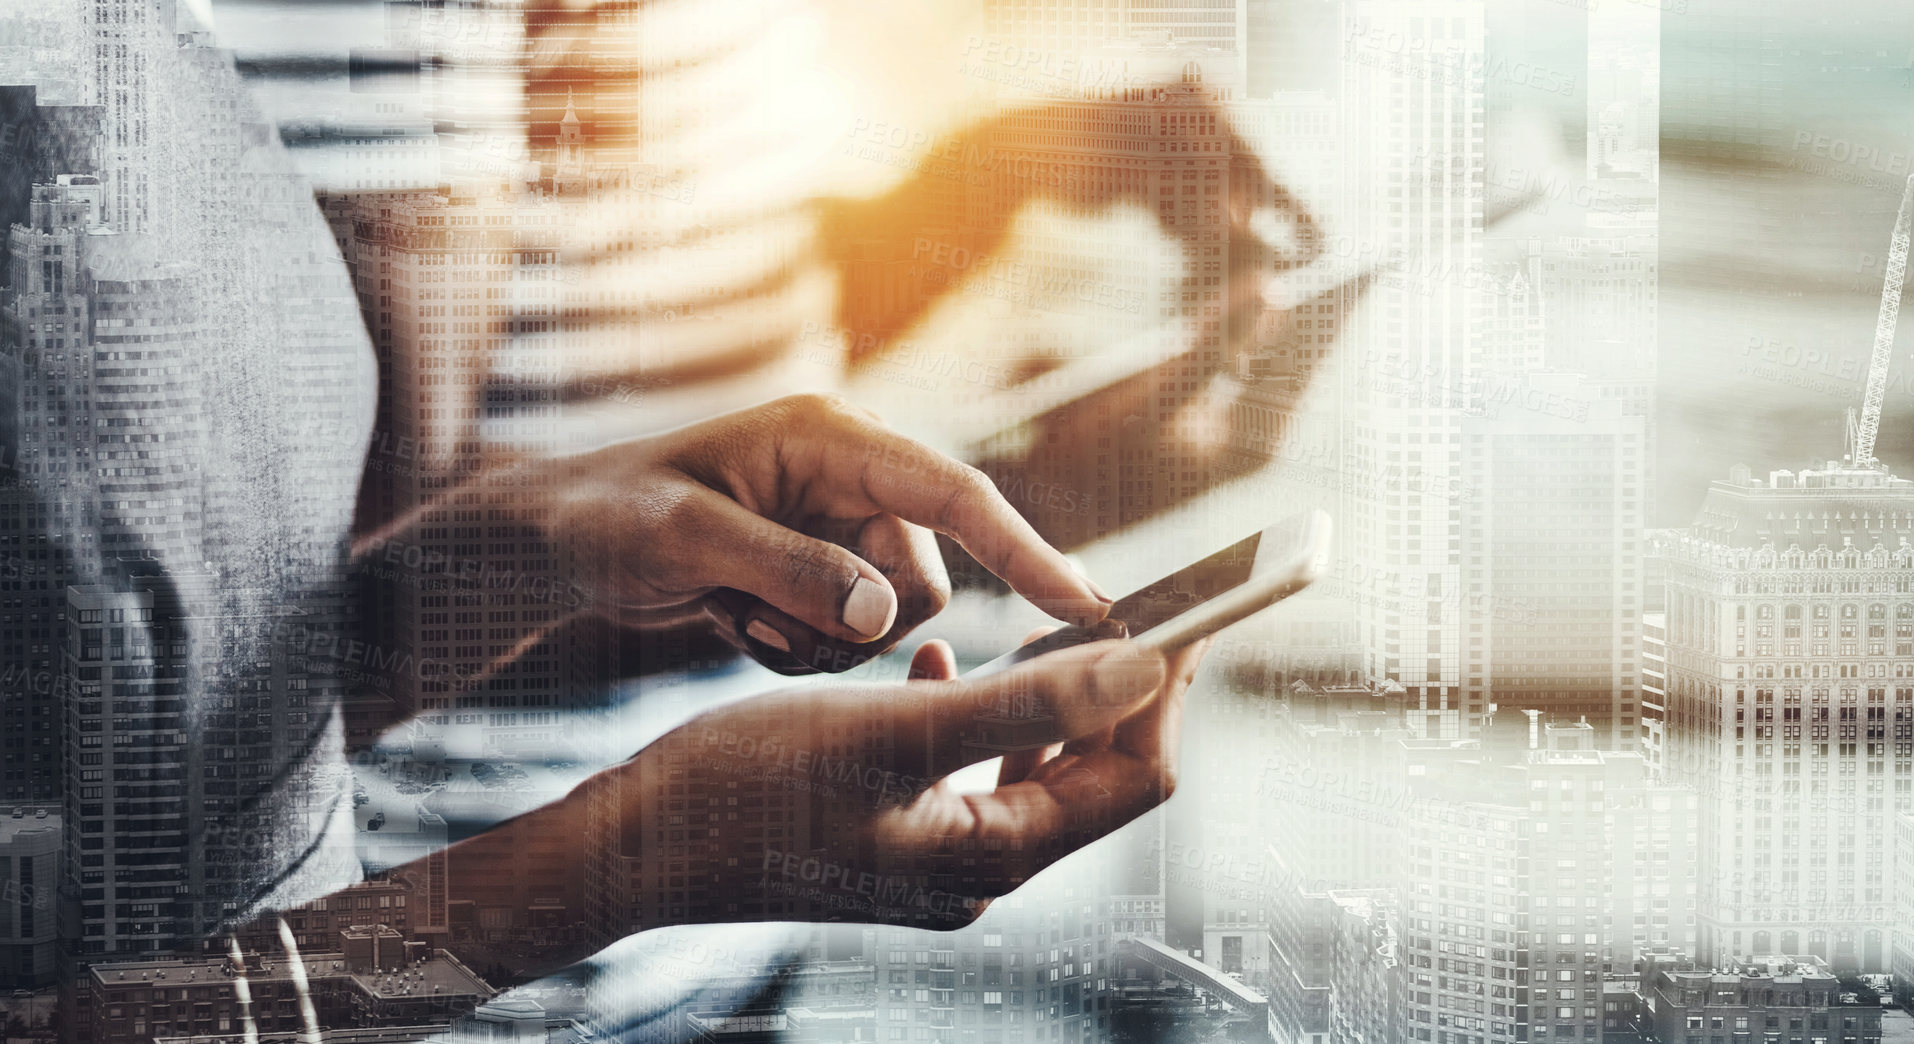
1054 698
813 580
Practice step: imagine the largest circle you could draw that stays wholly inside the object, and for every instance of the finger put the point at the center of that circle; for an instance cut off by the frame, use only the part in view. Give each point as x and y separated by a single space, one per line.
815 581
1185 662
1182 667
1156 729
908 557
1152 733
1020 763
1087 791
1073 802
777 639
1091 795
892 473
1057 696
933 661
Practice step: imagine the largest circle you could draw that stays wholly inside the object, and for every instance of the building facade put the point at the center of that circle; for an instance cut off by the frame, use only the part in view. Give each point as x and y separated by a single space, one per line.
1791 707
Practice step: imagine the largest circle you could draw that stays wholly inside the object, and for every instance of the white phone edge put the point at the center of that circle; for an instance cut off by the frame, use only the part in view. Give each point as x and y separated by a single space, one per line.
1248 598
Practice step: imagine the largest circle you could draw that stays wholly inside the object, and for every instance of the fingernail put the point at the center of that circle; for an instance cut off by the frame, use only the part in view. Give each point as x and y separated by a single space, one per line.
767 634
1077 567
1126 673
869 609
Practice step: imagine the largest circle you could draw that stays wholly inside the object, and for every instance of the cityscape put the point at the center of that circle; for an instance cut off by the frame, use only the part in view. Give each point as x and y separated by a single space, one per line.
1579 319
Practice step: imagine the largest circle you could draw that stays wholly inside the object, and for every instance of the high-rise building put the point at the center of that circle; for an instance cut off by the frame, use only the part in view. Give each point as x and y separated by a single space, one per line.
1786 997
1535 73
124 735
1413 118
1081 28
1654 689
1508 868
464 311
1901 938
1059 33
1203 22
160 553
1302 933
1333 792
1601 295
1461 889
1026 973
1790 696
115 329
68 272
1281 47
1444 388
1545 869
121 38
1295 137
1552 575
45 312
29 881
1365 987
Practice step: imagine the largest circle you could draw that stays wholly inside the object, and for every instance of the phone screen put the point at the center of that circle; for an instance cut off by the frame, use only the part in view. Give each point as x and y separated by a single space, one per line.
1193 584
1267 566
1149 606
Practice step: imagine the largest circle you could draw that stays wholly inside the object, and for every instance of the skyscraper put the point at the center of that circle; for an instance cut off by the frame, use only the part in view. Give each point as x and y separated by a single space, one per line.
29 924
46 312
121 39
1508 875
1553 552
466 308
151 356
1790 695
1025 974
1413 116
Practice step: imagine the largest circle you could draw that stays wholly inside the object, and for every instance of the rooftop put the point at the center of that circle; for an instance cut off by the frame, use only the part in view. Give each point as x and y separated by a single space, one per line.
351 1035
25 819
1833 506
433 976
1777 969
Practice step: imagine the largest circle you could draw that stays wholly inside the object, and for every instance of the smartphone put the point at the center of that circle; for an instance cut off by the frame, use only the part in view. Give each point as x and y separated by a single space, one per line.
1203 597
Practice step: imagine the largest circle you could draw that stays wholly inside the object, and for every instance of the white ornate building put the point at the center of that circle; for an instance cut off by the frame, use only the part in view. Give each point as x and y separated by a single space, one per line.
1790 638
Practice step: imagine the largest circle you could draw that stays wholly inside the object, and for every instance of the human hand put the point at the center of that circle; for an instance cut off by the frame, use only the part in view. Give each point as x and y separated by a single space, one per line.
804 527
832 802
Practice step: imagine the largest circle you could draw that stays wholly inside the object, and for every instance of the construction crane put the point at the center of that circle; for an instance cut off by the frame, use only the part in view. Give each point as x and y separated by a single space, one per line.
1861 432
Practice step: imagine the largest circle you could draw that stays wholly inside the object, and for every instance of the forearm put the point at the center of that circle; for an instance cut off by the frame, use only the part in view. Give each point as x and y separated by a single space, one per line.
468 872
483 542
